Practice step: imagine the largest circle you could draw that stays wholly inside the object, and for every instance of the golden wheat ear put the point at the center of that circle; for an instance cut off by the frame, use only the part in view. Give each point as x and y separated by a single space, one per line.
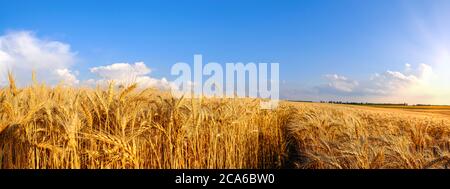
33 78
127 91
12 84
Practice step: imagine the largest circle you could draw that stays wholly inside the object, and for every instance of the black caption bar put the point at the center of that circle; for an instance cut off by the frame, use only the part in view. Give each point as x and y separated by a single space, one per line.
225 178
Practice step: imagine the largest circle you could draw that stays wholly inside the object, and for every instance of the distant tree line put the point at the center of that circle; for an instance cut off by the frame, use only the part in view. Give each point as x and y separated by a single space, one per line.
301 101
366 103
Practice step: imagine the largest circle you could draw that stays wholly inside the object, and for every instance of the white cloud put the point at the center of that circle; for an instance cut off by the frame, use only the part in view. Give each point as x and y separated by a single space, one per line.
421 84
125 73
4 57
22 52
425 72
341 83
121 71
391 82
67 77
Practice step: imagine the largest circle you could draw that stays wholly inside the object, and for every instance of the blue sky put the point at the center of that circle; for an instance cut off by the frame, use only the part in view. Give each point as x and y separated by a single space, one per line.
356 50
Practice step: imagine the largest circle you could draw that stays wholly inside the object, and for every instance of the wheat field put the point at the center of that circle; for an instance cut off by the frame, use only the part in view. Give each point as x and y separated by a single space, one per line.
350 137
43 127
63 127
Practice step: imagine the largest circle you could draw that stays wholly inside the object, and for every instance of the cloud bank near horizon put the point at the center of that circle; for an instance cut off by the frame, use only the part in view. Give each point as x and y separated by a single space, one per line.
125 74
415 85
22 52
